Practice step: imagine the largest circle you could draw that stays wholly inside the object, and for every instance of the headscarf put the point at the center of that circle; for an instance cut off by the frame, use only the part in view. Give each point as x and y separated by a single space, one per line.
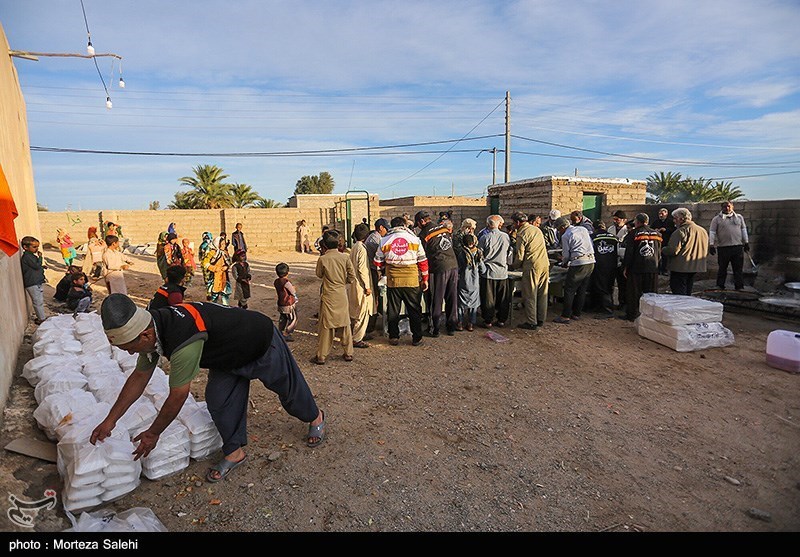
171 229
92 232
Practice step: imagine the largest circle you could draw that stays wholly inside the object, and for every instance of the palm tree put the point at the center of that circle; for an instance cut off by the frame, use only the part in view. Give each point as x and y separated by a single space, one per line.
210 189
244 196
661 186
725 191
267 204
184 200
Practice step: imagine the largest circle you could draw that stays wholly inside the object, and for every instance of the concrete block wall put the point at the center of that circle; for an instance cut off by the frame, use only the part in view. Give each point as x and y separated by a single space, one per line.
437 200
772 226
478 213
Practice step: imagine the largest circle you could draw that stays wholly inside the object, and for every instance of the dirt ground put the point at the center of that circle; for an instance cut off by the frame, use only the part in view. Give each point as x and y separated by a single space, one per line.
581 427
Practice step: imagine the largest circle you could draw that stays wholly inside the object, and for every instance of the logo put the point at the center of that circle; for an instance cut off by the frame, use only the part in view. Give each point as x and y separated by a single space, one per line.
400 246
647 249
22 512
445 243
605 248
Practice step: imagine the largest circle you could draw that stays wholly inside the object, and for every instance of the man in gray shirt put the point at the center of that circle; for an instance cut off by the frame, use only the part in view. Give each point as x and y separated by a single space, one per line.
495 288
727 237
577 252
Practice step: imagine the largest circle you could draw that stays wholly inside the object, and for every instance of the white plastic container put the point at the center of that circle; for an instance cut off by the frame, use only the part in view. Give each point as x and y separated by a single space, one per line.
783 350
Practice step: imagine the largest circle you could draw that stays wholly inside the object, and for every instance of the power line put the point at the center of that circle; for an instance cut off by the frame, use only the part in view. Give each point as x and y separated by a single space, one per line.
682 143
652 159
349 150
443 154
94 58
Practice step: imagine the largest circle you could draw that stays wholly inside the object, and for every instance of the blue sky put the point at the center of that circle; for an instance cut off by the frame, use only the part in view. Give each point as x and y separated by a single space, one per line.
669 85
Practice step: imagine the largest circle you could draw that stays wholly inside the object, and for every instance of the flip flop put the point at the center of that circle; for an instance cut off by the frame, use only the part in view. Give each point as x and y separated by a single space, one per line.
316 431
224 467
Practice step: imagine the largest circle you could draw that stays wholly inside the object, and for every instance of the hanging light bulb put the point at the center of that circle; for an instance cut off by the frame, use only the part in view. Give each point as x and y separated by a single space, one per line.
90 48
121 83
108 103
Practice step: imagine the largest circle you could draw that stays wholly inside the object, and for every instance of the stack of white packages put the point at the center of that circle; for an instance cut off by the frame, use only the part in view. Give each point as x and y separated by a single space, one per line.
139 417
683 323
47 364
126 361
204 439
59 382
96 474
171 453
89 331
62 409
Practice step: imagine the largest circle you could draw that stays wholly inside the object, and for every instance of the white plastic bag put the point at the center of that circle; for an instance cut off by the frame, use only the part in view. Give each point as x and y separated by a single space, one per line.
679 310
684 338
137 519
59 383
36 367
61 409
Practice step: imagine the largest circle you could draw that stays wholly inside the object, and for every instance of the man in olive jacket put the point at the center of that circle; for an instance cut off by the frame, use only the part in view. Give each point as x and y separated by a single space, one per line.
530 254
687 251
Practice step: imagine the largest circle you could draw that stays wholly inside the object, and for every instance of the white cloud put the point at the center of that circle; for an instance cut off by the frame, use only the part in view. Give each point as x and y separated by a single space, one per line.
758 94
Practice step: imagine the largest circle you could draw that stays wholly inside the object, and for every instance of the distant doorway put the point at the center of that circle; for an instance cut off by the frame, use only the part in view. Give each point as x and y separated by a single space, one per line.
592 205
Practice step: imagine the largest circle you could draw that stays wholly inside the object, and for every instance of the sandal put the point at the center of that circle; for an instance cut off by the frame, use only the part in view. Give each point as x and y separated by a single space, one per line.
224 467
360 344
316 432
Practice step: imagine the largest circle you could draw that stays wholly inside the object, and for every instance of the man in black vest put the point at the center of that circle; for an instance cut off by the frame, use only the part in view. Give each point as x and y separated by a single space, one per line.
235 345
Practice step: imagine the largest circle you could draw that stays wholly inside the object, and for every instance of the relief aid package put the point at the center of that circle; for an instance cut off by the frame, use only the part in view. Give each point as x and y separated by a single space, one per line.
684 338
679 310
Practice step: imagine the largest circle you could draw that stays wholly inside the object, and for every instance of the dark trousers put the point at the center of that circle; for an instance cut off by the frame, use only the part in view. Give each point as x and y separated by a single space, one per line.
681 283
228 391
733 255
622 286
602 288
638 284
495 299
410 296
445 291
576 283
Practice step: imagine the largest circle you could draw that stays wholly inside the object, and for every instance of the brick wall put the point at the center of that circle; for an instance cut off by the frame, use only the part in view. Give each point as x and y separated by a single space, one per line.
478 213
565 193
437 200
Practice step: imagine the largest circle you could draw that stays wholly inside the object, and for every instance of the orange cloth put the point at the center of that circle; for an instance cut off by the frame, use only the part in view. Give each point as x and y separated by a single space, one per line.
8 212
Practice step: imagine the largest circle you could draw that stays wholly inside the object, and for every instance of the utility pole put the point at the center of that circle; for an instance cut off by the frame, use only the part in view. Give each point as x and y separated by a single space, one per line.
493 151
508 137
452 189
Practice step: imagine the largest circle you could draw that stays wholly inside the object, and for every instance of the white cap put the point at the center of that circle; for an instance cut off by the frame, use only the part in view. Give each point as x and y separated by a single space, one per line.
554 214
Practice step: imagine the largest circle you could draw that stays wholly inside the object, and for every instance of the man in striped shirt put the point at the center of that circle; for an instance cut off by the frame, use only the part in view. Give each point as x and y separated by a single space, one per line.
401 258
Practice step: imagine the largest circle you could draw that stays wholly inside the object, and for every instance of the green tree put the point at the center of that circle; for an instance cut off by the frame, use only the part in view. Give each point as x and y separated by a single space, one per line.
323 183
267 204
40 207
154 205
209 189
244 196
184 200
725 191
661 186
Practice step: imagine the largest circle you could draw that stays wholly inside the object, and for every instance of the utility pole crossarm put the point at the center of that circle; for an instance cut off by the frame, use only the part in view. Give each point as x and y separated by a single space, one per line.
35 55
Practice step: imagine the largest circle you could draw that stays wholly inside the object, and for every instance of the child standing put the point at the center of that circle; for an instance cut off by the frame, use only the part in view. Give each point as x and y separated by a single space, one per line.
115 263
336 271
188 261
172 251
219 289
470 268
93 260
287 302
33 276
241 278
67 246
79 297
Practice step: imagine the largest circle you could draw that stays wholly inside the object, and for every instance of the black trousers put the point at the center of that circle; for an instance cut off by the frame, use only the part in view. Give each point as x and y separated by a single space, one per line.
622 286
576 283
411 297
733 256
495 299
602 288
445 292
638 284
228 391
681 283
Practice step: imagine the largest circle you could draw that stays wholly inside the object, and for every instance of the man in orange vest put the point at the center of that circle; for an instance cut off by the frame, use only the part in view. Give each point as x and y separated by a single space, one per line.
234 344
